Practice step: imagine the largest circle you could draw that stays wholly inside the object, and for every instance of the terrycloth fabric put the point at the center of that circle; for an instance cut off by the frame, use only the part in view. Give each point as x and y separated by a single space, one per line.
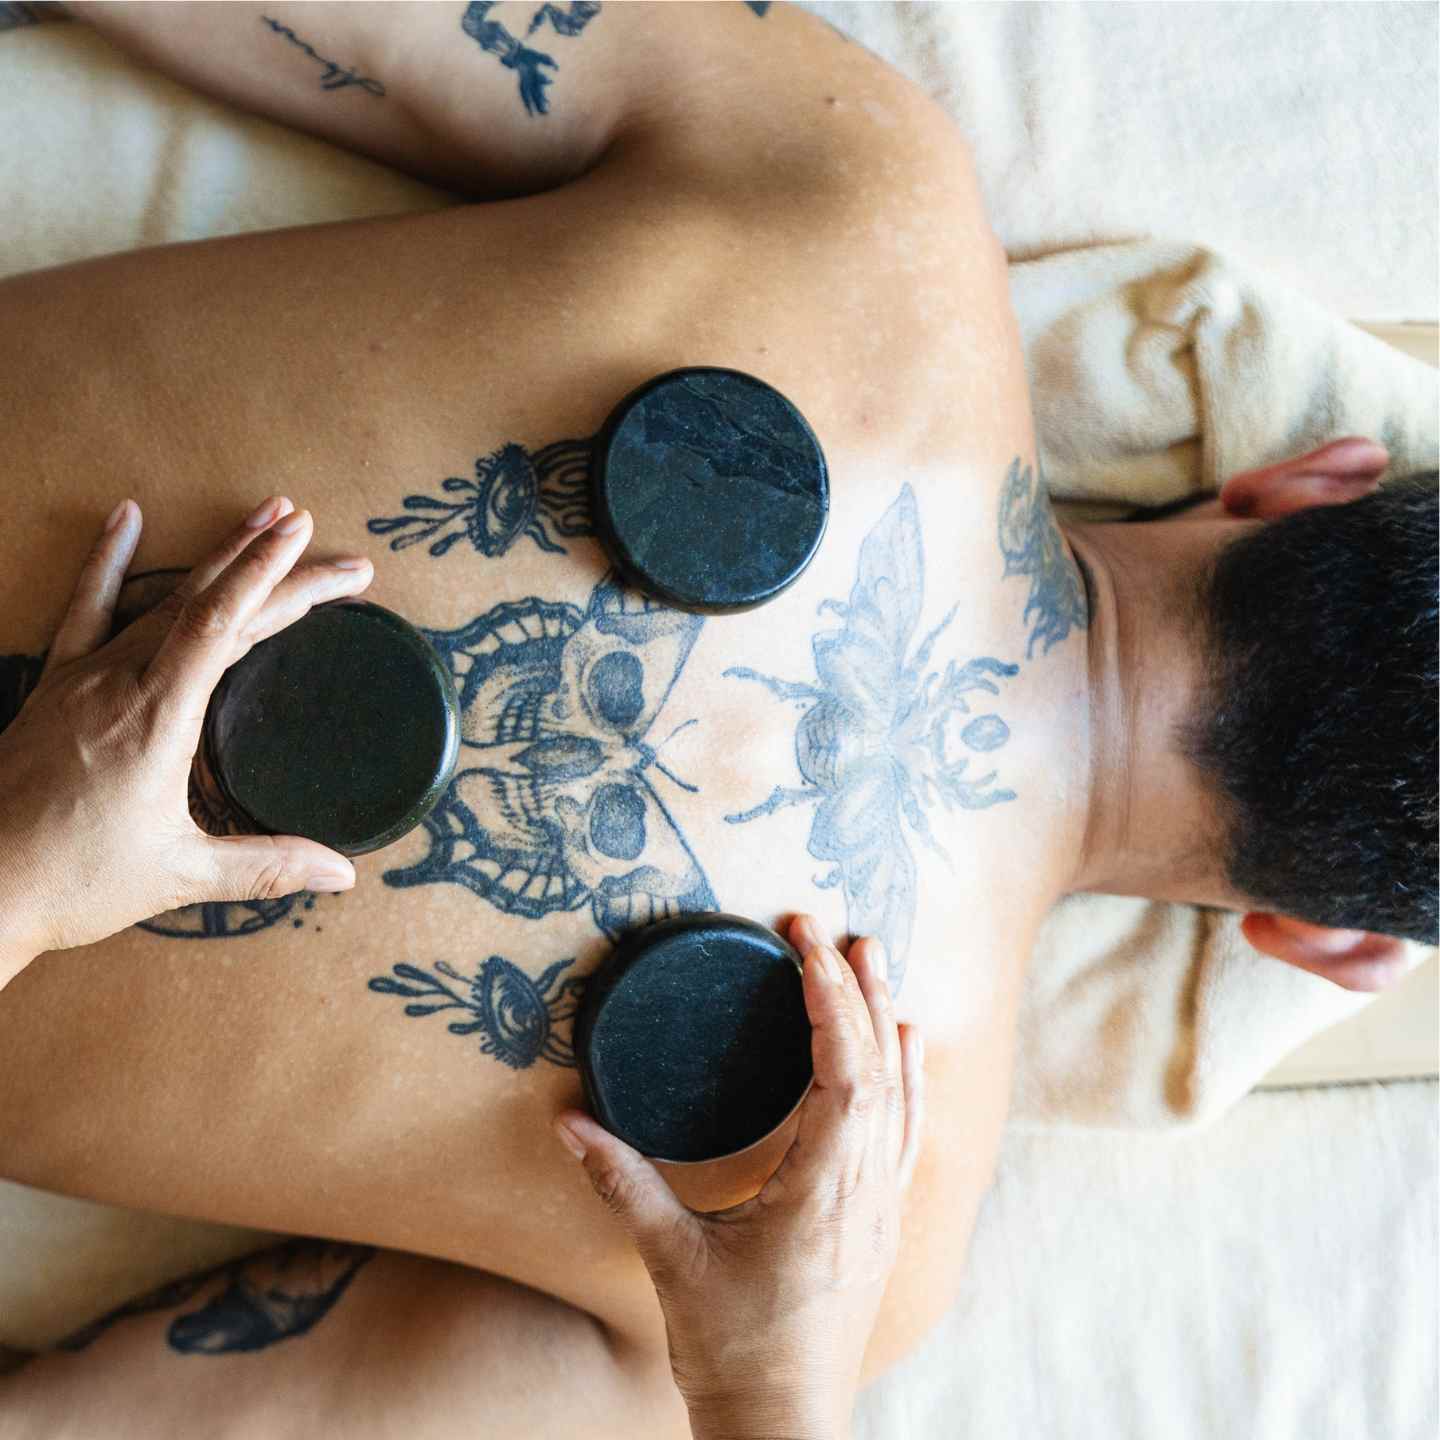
1269 1278
1298 138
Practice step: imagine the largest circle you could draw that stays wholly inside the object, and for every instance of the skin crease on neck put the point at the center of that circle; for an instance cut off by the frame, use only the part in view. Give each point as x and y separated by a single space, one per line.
1151 827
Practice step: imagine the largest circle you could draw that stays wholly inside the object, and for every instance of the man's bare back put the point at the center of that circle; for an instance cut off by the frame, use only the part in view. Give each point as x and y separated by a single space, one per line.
382 1067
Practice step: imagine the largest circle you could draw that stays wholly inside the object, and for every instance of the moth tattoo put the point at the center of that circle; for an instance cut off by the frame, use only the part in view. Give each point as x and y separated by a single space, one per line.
881 737
553 805
540 496
519 1020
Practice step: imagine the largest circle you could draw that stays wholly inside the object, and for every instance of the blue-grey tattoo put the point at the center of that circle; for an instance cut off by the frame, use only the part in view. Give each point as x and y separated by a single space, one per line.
258 1301
759 6
514 493
1032 545
519 1020
334 76
552 806
492 37
881 738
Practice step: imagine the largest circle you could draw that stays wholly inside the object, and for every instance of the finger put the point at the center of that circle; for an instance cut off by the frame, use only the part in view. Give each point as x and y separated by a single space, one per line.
209 570
91 612
842 1041
266 867
205 636
305 587
143 638
663 1230
912 1069
867 960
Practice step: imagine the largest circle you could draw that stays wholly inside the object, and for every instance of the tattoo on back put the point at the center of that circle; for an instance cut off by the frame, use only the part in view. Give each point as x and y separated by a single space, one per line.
514 493
881 736
518 1020
253 1303
554 805
334 75
1032 545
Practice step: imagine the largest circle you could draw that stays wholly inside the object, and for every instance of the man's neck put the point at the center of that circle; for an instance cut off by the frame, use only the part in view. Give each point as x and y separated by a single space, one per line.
1149 826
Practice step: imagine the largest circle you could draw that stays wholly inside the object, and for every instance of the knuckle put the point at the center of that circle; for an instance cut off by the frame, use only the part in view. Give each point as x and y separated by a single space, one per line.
206 618
269 881
611 1185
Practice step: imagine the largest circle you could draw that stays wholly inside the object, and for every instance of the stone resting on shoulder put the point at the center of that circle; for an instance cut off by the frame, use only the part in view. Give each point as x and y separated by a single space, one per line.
960 714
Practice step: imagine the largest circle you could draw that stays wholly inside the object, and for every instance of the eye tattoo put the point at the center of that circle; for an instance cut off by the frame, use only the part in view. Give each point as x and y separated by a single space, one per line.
514 493
519 1020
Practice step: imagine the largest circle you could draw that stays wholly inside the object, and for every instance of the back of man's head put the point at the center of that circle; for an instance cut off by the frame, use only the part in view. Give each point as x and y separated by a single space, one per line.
1319 726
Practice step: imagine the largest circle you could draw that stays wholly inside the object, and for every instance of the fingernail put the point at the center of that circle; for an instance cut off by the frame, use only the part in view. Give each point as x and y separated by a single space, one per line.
263 513
117 515
291 523
569 1139
329 878
351 562
829 963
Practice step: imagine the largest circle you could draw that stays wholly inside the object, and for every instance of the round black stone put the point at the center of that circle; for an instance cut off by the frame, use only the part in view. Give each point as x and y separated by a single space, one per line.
710 490
692 1038
343 728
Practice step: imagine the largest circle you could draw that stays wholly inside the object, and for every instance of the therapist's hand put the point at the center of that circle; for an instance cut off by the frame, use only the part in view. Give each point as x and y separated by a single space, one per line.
769 1306
95 827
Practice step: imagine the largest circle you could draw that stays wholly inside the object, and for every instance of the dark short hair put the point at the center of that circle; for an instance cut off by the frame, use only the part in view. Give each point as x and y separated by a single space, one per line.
1319 724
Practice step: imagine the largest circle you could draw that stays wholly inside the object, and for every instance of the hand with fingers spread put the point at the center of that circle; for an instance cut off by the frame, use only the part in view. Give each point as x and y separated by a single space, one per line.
769 1306
95 829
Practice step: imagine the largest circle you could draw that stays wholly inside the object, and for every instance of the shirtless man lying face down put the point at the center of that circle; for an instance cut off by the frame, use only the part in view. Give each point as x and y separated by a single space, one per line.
960 714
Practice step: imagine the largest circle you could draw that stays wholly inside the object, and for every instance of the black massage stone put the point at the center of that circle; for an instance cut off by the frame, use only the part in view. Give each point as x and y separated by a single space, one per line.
692 1038
711 491
343 728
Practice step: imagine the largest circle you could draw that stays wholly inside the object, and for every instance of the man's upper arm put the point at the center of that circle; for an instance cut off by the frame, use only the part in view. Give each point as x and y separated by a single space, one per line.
511 98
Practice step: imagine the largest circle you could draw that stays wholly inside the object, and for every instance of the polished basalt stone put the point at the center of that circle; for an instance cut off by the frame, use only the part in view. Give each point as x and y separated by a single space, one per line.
710 490
692 1037
343 728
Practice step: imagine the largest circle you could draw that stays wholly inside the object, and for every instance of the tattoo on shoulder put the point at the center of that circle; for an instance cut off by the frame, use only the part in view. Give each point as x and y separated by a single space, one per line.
248 1304
518 1020
492 37
333 76
882 736
17 13
516 492
1032 545
555 804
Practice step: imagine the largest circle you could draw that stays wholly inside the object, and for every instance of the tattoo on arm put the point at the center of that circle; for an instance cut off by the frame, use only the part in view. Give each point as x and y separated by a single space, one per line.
255 1302
492 37
334 76
881 736
519 1020
515 492
17 13
1032 545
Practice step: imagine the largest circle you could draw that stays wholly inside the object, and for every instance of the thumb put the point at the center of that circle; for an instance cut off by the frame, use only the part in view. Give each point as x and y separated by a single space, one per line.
265 867
663 1230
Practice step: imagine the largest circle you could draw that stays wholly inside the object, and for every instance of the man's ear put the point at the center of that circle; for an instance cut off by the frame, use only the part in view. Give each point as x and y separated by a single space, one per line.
1335 474
1352 959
